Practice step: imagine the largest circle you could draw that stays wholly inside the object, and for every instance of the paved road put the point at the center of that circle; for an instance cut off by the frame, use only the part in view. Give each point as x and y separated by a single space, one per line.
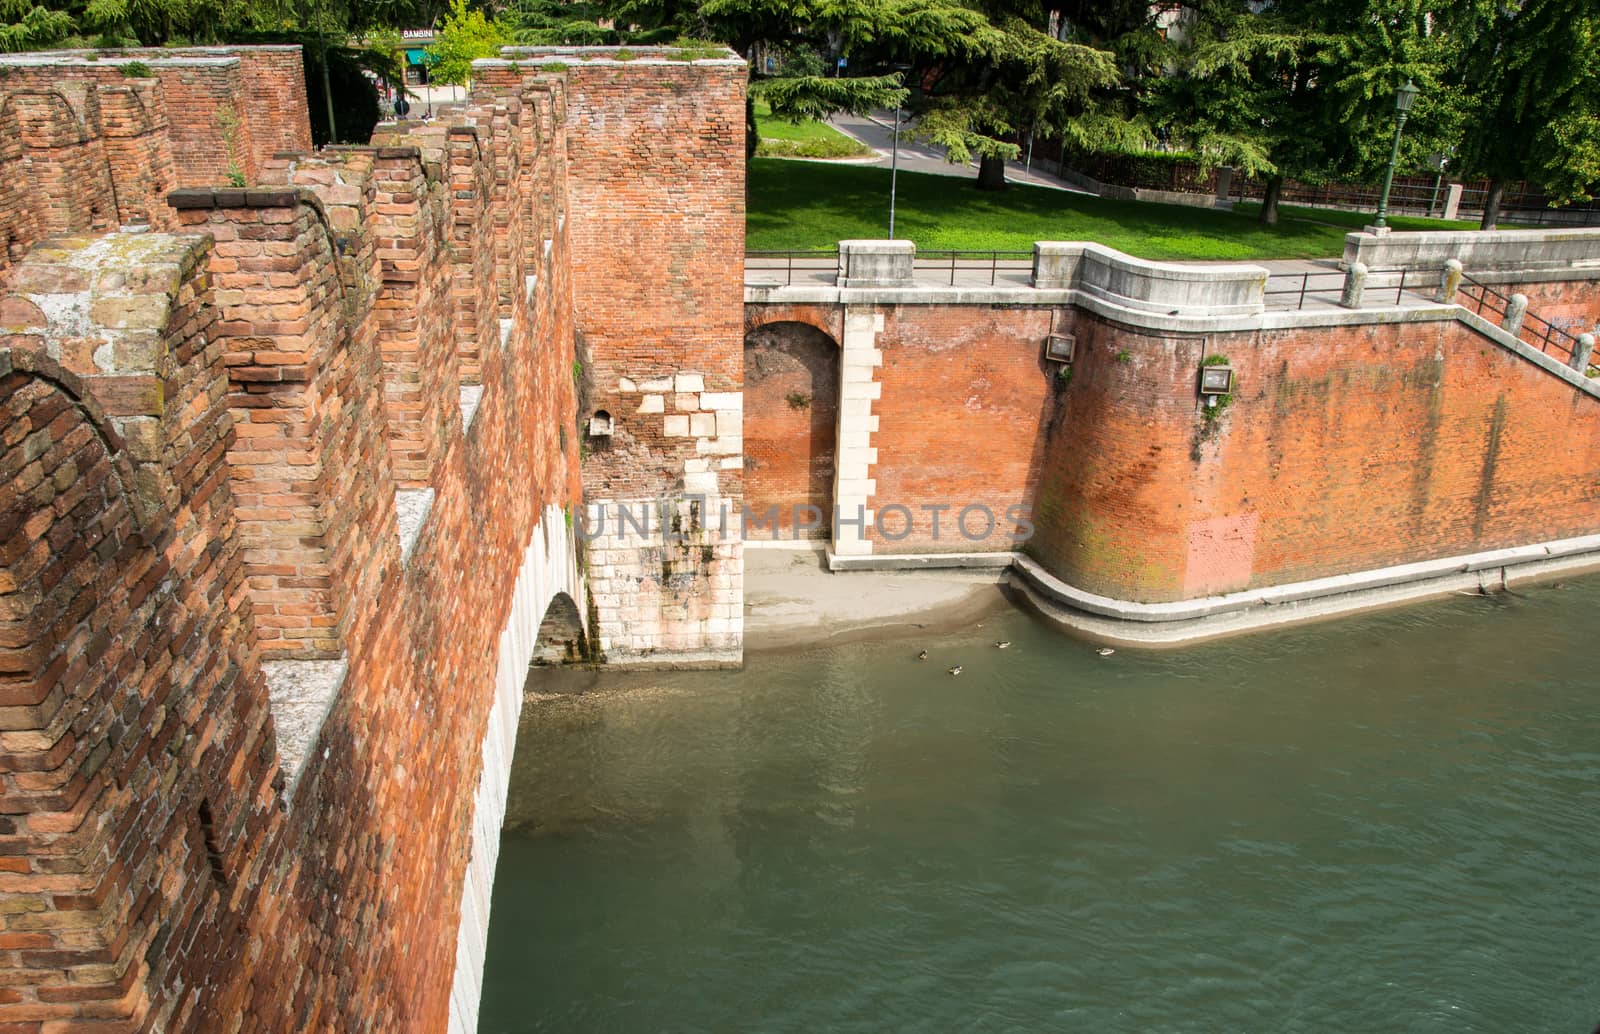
877 132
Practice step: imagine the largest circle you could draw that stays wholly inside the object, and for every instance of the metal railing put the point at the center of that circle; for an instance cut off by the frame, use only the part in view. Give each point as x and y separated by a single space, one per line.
1534 331
1290 290
770 266
972 264
1295 290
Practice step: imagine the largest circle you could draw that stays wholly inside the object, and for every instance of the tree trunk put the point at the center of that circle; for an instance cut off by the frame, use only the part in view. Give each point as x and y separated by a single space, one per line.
1269 203
1491 204
751 137
991 173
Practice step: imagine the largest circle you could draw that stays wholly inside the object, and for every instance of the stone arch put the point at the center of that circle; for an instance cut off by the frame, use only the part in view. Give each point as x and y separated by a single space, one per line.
561 636
791 391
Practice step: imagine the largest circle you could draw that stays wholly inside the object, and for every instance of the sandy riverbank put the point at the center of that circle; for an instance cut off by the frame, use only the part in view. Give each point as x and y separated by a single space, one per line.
792 600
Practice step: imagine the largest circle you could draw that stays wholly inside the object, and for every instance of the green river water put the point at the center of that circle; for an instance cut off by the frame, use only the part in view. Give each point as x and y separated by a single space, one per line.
1385 823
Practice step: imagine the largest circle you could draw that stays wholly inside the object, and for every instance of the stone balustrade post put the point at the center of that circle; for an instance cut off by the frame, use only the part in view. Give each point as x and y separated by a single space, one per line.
1355 285
1516 310
876 263
1449 282
1583 354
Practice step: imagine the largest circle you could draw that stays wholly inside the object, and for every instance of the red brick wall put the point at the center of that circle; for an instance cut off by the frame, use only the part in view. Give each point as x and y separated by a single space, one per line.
656 221
1342 451
103 149
138 781
791 394
960 421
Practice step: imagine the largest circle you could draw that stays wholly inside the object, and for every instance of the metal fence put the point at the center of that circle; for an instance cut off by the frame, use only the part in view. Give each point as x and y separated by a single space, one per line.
973 266
781 267
1535 331
1296 290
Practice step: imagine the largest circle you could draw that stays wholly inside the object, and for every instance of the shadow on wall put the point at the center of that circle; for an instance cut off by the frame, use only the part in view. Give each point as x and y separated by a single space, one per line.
561 637
791 384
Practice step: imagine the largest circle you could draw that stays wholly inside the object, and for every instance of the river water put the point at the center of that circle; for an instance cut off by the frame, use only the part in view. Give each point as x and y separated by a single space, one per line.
1385 823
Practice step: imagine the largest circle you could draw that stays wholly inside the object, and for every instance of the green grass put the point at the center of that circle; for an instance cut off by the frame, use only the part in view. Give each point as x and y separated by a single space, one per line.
808 205
808 138
1356 220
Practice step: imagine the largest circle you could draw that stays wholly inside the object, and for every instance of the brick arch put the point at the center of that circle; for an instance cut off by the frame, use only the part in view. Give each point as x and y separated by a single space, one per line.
826 318
791 399
561 635
69 161
69 533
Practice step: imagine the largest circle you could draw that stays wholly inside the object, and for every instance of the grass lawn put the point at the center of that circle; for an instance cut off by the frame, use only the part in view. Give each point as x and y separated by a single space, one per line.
1355 220
807 138
811 205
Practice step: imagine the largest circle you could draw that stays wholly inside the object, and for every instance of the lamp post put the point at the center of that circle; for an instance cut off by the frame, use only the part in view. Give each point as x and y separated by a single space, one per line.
1403 99
894 168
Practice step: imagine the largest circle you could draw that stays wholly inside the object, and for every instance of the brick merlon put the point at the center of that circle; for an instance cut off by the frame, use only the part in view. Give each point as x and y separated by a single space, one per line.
234 197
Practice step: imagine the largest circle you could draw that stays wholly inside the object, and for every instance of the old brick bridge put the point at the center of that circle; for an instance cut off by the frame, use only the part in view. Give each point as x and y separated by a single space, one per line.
297 479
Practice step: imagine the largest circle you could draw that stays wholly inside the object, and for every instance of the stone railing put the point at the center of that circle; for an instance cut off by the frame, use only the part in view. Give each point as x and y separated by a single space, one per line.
1477 250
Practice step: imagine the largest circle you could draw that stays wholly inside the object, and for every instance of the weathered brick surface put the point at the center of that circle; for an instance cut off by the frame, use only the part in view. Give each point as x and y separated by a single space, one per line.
960 424
260 402
83 147
653 203
138 775
791 391
1342 451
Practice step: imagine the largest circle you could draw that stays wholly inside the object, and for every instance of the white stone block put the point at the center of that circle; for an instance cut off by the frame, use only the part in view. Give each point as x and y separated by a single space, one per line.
852 469
730 422
690 382
731 463
624 384
850 546
703 425
653 404
855 407
722 400
661 384
855 488
684 403
855 373
677 427
855 439
696 466
729 446
702 484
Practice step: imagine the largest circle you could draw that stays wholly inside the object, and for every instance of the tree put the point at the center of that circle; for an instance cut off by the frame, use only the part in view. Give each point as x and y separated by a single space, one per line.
1307 90
1018 80
465 36
1533 97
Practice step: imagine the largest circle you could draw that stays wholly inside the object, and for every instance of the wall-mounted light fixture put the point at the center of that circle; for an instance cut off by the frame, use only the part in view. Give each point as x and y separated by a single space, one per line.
1060 348
1215 381
600 424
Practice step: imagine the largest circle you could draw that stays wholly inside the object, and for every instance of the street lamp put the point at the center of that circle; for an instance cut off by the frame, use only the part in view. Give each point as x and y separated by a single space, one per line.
1403 99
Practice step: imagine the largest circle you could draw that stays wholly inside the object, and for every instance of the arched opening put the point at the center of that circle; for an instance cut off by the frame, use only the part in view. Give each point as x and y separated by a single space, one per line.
791 411
561 637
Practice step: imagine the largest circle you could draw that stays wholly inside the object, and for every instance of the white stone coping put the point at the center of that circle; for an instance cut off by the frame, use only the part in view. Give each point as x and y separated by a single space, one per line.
1550 364
154 58
1191 320
511 57
301 694
471 396
411 506
1337 593
1551 248
1220 288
